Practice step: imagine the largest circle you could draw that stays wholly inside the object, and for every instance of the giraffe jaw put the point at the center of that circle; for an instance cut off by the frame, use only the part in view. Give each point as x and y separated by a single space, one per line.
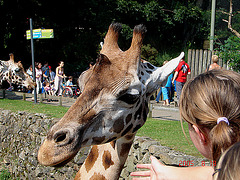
47 158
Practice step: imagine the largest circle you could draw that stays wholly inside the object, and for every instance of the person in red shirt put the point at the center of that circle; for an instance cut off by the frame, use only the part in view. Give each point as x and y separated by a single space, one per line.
180 76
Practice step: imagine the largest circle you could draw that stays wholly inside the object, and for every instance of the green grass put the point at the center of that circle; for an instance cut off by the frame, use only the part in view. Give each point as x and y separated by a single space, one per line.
19 105
168 133
5 174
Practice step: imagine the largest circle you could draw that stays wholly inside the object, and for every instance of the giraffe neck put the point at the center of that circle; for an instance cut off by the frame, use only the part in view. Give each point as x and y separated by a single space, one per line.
105 161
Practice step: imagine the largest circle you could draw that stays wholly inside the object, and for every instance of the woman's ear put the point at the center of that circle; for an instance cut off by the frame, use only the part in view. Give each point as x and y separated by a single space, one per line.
201 136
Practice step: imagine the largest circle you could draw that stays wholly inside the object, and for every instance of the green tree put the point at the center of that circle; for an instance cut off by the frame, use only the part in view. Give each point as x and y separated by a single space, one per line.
79 27
228 40
230 52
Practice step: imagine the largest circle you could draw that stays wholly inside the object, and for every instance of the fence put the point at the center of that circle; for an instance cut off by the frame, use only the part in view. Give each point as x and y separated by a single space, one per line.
199 60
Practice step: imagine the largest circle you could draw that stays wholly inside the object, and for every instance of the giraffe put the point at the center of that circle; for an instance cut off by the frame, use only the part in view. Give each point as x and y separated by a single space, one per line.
112 107
14 73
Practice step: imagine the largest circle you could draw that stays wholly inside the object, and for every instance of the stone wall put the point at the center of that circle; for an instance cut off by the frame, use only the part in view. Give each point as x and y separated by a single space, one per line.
21 134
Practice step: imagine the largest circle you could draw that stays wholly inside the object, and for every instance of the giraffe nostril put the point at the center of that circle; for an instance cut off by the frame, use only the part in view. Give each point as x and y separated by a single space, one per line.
62 138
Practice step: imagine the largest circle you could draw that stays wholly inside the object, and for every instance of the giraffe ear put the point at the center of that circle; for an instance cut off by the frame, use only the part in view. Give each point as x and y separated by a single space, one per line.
164 71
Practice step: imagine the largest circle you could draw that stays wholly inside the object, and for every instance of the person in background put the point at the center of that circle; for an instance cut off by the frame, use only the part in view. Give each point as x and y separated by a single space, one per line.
39 75
214 65
51 75
48 89
165 90
69 81
210 104
30 71
180 76
58 81
45 70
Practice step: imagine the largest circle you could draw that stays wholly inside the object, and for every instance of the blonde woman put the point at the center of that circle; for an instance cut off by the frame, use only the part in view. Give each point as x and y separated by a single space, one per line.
210 104
59 78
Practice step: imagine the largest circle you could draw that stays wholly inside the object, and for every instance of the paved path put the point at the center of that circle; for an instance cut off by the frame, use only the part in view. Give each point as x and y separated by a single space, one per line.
158 112
164 113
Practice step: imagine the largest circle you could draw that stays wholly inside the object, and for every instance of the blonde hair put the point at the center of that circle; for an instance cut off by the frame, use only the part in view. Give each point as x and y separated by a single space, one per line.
209 96
215 58
229 164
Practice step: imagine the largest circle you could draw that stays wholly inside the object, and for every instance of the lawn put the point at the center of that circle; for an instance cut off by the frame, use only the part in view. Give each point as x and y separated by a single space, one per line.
19 105
168 133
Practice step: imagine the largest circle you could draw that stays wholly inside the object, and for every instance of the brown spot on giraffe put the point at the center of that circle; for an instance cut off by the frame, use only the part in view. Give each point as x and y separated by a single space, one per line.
136 128
118 126
107 160
97 176
128 118
129 137
127 130
92 157
99 140
125 148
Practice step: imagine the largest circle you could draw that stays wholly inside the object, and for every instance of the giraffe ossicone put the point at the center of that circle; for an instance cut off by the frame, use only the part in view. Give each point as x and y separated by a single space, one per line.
14 73
112 107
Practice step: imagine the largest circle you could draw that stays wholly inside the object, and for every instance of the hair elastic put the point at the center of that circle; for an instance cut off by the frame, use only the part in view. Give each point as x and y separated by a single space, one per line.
222 119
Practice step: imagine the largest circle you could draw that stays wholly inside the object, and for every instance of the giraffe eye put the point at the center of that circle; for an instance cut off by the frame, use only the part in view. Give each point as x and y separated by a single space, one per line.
129 98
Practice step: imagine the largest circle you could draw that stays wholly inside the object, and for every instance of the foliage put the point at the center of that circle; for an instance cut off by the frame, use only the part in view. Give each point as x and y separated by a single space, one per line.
163 57
79 27
230 52
5 174
149 53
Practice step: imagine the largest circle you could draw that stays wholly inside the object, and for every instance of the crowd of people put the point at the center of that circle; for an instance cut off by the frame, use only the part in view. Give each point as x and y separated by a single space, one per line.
49 81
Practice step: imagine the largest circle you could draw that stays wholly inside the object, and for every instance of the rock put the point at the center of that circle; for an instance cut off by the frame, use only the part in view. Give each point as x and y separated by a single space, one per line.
38 172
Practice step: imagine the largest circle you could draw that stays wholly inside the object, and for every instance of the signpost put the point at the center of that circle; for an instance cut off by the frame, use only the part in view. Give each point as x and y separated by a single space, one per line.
33 63
37 34
40 34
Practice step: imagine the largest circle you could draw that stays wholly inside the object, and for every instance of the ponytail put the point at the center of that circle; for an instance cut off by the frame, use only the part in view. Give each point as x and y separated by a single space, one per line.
222 137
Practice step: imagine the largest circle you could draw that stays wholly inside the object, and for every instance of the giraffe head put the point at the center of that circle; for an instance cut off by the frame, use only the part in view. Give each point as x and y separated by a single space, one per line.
113 103
15 73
